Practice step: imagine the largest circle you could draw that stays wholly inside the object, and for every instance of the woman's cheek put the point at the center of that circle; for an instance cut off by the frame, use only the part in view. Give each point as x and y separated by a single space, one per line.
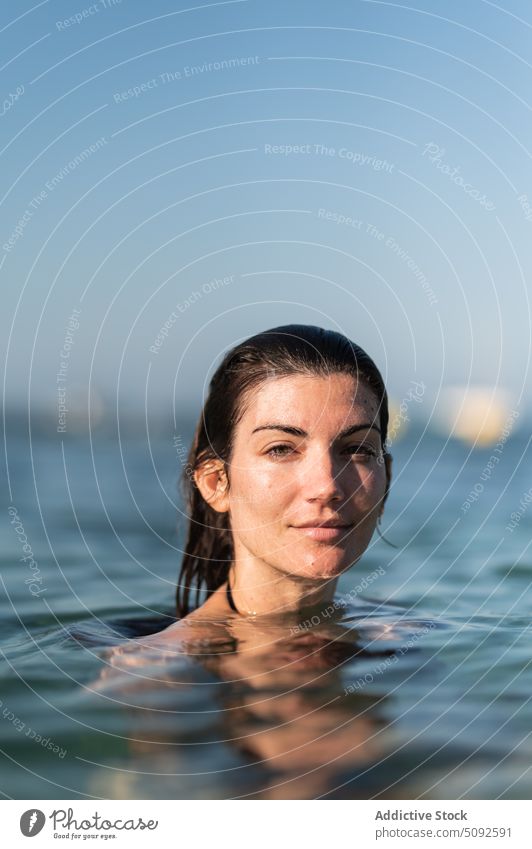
373 484
273 482
256 493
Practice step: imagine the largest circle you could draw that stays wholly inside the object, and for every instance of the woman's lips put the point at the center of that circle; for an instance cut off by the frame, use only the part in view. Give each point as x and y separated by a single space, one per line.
324 534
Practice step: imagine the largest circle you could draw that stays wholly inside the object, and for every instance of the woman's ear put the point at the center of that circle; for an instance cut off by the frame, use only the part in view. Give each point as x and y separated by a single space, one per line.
211 480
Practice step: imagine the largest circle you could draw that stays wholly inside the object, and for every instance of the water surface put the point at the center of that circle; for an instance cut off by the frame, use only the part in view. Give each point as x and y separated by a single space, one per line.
419 685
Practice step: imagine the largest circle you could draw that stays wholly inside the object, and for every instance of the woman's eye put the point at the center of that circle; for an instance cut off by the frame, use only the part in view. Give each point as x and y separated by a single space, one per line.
279 450
361 451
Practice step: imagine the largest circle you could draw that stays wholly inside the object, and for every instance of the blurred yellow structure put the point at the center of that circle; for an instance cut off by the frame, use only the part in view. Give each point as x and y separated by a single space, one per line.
474 414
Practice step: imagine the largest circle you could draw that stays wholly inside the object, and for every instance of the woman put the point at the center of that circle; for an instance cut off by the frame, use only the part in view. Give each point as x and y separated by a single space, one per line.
286 479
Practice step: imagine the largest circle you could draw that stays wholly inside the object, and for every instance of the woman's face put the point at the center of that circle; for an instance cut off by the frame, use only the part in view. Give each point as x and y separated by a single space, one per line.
307 451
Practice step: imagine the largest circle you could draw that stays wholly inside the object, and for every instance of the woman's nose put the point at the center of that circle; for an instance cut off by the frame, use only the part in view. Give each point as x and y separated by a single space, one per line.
322 478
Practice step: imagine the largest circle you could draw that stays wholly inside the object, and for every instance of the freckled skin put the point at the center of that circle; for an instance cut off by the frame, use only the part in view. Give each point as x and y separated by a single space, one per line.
278 480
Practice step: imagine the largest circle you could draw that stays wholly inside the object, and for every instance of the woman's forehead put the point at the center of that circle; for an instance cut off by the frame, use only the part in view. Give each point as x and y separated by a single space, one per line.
303 400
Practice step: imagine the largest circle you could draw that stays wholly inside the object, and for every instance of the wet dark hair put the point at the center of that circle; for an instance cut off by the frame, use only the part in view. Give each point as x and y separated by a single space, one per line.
282 351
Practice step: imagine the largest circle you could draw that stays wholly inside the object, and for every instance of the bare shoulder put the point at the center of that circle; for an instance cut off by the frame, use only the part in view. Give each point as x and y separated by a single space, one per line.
206 625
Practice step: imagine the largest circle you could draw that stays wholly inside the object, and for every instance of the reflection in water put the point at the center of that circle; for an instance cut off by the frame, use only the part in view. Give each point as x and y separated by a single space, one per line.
293 715
277 701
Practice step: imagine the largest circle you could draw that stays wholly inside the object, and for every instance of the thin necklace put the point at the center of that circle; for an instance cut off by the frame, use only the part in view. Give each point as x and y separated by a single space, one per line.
232 604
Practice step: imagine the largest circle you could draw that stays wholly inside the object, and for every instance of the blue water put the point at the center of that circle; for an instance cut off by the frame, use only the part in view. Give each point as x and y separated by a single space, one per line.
419 687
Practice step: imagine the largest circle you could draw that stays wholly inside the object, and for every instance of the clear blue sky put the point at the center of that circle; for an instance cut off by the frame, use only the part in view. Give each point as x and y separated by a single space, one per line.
359 165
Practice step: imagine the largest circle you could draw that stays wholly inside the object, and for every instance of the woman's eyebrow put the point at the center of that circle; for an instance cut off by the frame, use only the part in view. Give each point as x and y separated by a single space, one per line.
297 431
356 428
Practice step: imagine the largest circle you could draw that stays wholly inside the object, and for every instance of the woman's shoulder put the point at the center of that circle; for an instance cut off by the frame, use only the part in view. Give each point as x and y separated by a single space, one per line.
207 625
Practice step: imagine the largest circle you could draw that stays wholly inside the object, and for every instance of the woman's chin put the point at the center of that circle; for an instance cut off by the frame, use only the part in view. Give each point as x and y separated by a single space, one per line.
324 568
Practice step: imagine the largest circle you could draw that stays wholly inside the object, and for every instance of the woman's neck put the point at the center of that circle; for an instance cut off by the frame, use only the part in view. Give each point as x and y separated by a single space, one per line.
255 588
